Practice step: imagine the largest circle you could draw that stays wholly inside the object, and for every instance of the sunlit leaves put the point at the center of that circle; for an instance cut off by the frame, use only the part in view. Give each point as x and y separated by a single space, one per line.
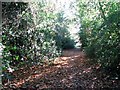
102 43
24 42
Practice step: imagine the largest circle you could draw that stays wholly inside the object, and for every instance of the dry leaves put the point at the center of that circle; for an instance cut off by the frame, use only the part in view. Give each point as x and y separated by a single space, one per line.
72 70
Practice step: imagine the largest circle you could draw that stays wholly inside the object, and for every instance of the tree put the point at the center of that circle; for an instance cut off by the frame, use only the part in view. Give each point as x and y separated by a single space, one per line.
63 39
99 33
28 36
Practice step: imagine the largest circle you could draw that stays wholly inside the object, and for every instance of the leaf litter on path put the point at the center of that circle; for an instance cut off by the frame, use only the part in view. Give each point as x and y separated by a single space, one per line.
70 71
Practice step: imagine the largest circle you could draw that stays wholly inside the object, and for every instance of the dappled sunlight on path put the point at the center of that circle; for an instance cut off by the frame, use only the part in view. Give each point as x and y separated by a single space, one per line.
71 70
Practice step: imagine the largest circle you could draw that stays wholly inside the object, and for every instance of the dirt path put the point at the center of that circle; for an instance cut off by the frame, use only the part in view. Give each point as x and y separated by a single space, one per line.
72 70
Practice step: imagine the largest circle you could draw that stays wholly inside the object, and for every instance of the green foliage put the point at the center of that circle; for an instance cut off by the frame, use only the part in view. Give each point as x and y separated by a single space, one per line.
68 43
109 43
63 38
26 43
100 36
32 34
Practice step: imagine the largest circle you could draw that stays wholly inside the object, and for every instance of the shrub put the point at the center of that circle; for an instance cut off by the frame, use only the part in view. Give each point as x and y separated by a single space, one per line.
100 37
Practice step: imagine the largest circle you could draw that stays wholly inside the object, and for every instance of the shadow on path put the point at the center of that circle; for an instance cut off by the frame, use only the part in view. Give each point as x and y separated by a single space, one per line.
70 71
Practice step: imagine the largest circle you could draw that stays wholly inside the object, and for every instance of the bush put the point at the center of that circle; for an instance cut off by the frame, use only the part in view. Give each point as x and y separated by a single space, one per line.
102 41
24 43
67 43
63 38
108 43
